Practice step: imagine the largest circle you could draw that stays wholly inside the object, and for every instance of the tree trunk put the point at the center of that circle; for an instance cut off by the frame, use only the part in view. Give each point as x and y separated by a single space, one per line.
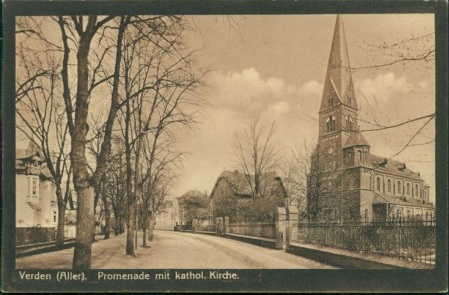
60 232
81 179
151 227
144 228
107 225
61 219
117 225
85 223
122 226
130 230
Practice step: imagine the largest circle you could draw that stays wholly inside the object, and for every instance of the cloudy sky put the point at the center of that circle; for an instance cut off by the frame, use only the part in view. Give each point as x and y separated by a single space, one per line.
274 67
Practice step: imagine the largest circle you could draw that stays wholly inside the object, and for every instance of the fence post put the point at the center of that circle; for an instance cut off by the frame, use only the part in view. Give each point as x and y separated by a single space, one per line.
226 224
282 224
293 223
218 229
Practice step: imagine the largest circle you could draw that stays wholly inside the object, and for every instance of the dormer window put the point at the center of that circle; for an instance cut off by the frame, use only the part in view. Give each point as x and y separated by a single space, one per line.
331 102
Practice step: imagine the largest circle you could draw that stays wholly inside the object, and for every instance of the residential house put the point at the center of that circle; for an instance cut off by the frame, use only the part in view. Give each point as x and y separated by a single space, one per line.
234 188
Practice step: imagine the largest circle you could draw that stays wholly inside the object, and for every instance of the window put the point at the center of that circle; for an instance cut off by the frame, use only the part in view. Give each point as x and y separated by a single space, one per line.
399 187
389 186
331 102
416 191
408 189
366 214
34 187
350 158
54 215
330 124
360 155
378 184
349 123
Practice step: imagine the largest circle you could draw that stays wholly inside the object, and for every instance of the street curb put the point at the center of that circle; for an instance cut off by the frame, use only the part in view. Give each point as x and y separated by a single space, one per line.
263 242
45 250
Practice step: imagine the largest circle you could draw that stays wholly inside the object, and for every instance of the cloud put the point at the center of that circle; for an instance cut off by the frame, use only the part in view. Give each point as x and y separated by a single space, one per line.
247 93
279 108
385 86
311 88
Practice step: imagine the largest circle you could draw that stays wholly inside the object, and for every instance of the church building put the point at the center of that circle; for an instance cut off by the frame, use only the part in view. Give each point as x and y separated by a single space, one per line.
346 181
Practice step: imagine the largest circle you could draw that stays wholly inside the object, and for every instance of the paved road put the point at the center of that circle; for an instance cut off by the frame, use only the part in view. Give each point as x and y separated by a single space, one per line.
171 250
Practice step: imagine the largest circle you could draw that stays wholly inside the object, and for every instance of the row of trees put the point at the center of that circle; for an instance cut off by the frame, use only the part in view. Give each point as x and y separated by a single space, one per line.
101 97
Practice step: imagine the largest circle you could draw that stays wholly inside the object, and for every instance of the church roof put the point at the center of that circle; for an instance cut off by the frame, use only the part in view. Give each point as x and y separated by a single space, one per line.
356 139
381 198
381 164
338 76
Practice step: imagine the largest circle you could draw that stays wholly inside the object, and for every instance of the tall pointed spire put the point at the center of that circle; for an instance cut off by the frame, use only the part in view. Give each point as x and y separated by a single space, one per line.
338 86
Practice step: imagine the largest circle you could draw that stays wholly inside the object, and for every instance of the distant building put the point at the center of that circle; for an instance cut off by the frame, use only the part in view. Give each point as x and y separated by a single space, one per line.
347 182
233 188
167 216
36 204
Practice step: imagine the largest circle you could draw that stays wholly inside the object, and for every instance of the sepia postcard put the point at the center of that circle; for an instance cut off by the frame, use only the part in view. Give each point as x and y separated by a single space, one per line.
214 146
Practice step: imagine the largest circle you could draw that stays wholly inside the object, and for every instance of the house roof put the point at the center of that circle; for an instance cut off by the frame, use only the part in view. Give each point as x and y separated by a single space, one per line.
381 198
240 185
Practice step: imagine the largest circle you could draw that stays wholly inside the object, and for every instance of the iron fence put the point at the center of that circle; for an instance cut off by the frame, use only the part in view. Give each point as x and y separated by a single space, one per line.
263 230
203 227
409 240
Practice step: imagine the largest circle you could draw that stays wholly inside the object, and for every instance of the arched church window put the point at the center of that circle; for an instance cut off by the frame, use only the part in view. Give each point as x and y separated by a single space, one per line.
349 122
330 124
360 155
408 189
389 185
416 191
399 187
378 184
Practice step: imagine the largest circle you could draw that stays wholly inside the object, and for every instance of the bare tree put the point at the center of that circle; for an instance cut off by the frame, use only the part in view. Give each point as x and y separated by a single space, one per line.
256 154
86 30
158 85
41 118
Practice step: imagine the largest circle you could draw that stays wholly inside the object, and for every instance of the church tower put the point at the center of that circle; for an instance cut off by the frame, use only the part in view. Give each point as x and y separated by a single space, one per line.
338 110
